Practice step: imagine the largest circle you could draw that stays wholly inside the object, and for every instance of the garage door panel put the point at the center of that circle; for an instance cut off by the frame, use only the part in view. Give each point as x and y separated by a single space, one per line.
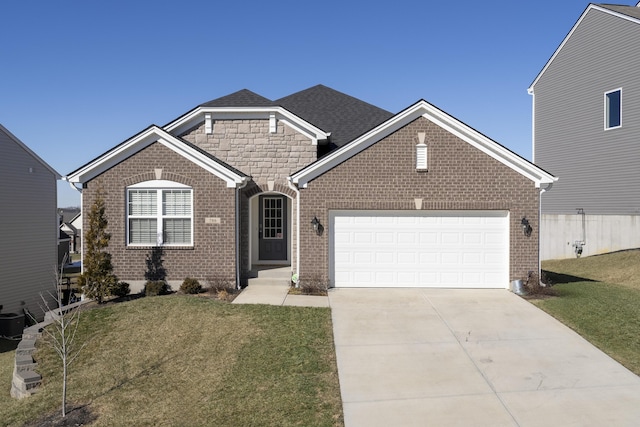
419 248
428 238
362 257
410 258
405 238
449 258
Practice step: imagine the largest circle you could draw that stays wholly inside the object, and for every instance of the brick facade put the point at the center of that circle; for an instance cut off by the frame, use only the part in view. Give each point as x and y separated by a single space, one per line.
459 177
382 177
213 252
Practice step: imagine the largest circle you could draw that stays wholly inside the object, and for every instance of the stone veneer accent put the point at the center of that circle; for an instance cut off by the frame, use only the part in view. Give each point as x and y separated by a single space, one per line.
213 252
459 177
248 146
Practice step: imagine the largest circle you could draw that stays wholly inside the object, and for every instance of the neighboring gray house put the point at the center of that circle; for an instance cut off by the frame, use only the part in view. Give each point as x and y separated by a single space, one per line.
334 187
28 226
586 125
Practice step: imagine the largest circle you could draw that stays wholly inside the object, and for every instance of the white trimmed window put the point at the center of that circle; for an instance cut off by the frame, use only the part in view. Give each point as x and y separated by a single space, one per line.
613 109
159 213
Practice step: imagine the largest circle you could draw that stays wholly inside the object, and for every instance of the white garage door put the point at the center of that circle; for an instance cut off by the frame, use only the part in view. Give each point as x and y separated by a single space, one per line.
453 249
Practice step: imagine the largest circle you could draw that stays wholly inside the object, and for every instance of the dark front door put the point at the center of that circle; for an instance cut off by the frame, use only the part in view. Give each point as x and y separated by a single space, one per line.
272 231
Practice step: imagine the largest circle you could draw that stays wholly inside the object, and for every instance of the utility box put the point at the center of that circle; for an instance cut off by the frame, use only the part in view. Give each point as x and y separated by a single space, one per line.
11 325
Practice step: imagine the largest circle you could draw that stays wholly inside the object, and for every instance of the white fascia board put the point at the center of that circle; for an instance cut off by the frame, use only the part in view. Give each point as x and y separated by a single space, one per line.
231 178
490 147
345 152
113 157
440 118
196 116
568 36
143 140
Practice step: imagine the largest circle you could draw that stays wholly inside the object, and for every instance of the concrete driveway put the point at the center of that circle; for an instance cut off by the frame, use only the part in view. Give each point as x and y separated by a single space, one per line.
448 357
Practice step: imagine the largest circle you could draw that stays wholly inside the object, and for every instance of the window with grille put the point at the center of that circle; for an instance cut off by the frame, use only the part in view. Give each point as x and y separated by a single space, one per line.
159 217
272 217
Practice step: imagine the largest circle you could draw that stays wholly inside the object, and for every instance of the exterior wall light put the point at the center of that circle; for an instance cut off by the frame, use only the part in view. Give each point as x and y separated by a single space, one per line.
526 227
317 227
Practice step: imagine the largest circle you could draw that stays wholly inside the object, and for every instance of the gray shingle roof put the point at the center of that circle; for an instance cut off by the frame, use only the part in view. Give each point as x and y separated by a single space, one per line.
344 116
241 98
631 11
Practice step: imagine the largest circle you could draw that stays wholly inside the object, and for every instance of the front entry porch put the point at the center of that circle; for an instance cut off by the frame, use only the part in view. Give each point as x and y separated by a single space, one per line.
270 285
271 231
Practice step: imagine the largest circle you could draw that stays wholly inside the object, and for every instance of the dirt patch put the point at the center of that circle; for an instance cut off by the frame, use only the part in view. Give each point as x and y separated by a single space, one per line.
76 416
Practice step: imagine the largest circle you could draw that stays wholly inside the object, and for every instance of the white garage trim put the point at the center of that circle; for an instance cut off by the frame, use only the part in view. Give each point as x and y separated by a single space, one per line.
445 249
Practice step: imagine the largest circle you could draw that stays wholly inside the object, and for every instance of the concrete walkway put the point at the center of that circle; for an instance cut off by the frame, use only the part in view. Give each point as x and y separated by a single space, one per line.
272 287
440 357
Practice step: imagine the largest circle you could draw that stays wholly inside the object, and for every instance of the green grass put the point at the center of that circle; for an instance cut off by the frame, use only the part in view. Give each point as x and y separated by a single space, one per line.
599 297
183 360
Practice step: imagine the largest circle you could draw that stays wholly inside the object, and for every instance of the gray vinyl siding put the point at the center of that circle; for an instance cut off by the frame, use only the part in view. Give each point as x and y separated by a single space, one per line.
28 247
599 170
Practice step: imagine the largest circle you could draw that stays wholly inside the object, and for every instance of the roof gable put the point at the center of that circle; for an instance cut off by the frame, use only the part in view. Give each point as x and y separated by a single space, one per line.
627 13
344 116
23 146
424 109
153 134
241 98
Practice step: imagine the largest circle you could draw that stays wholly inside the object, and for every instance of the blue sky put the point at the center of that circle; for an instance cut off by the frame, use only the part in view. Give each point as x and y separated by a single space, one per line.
79 77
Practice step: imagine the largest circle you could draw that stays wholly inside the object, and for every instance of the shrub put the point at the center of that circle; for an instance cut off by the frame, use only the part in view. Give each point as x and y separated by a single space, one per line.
313 285
223 295
535 287
218 283
191 286
158 287
120 289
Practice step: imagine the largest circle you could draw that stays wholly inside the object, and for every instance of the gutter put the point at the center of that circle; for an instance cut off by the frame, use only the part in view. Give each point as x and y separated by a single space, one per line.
244 183
297 191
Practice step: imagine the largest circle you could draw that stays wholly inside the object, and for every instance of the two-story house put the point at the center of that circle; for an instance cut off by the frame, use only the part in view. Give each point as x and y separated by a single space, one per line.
28 226
586 122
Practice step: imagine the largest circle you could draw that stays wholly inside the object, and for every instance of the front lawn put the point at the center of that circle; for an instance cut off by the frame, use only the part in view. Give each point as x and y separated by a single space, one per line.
181 360
599 297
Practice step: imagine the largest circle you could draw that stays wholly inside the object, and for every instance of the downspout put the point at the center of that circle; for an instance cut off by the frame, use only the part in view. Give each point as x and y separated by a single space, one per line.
79 190
542 191
297 191
239 188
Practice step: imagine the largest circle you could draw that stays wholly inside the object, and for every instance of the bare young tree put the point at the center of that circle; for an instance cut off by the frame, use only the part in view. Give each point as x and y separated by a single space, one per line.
61 334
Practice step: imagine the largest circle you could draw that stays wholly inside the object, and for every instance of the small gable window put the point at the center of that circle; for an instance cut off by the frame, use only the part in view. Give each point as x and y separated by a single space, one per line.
613 109
159 213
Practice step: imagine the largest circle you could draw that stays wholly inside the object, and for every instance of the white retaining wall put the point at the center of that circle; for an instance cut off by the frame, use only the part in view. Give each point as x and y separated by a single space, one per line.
603 233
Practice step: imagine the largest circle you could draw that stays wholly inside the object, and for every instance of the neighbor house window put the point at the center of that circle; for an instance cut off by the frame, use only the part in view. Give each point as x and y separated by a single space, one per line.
159 216
613 109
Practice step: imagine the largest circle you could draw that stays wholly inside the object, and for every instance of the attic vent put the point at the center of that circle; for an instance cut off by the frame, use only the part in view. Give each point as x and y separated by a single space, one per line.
208 124
421 152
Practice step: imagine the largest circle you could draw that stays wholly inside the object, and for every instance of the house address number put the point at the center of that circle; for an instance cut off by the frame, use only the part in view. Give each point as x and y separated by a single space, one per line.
212 221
